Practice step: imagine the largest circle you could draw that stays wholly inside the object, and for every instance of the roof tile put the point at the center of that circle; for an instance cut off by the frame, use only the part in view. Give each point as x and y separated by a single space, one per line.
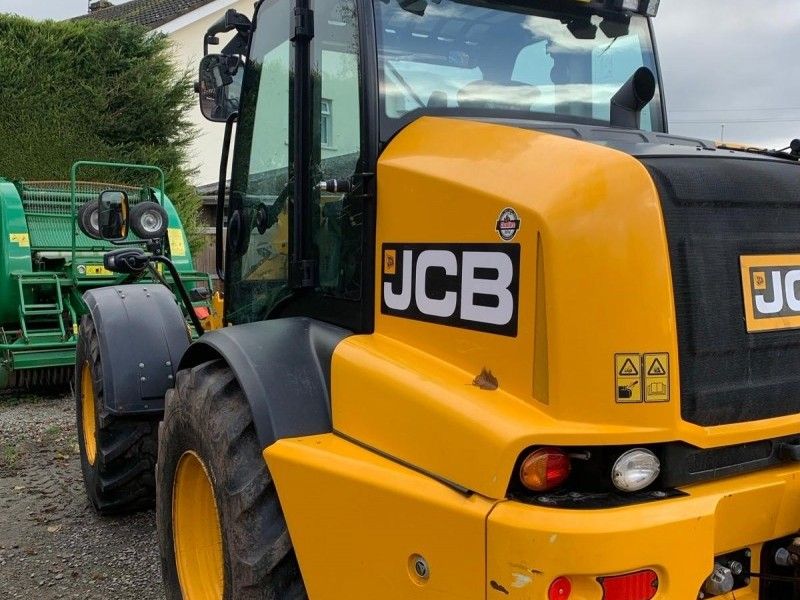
148 13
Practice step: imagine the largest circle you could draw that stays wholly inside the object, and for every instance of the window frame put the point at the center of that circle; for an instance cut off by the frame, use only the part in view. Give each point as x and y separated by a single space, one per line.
357 316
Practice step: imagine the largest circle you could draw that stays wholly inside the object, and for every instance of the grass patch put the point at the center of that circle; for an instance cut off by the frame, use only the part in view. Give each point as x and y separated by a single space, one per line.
9 455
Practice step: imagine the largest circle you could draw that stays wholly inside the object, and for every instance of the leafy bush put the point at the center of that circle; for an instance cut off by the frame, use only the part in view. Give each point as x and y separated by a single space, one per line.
93 90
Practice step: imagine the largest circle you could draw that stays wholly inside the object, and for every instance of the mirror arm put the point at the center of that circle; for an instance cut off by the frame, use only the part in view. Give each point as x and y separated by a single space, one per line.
238 45
184 295
223 176
227 22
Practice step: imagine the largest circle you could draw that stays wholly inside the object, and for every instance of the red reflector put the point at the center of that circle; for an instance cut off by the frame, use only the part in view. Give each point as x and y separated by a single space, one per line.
201 312
544 469
560 589
641 585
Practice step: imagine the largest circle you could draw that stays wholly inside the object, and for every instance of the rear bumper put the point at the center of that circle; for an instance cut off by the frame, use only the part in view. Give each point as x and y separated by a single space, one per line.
529 546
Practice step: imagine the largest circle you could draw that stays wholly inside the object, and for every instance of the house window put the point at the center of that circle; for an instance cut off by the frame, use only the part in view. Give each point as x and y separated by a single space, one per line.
325 124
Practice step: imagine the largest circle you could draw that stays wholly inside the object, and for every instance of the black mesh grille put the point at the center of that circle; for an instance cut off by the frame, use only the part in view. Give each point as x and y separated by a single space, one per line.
715 210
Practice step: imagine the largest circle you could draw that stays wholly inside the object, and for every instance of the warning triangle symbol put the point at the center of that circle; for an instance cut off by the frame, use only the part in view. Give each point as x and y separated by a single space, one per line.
629 369
656 368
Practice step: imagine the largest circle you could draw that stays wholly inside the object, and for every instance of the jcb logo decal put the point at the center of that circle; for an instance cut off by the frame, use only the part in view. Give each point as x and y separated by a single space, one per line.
771 286
474 286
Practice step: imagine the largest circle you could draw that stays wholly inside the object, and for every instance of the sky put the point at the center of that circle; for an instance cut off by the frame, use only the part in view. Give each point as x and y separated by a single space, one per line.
724 62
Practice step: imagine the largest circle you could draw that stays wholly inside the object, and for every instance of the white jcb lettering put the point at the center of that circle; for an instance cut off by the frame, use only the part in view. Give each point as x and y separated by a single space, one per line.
790 285
402 300
776 304
435 307
471 285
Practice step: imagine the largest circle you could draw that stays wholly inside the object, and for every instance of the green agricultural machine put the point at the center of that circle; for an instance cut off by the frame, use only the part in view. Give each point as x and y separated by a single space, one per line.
47 263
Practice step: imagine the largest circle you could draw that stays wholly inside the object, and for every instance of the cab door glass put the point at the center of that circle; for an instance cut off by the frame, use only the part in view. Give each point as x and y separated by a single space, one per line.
260 189
338 226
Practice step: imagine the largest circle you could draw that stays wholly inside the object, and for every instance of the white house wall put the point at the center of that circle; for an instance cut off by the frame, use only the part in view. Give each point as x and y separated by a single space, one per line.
186 34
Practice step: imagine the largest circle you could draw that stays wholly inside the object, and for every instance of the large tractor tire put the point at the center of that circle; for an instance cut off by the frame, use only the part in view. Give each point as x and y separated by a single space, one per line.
118 455
221 529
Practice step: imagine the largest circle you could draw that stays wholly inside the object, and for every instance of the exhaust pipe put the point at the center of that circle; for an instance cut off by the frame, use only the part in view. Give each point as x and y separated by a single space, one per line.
628 103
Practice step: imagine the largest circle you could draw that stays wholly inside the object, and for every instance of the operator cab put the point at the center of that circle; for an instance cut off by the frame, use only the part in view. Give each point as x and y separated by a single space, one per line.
318 101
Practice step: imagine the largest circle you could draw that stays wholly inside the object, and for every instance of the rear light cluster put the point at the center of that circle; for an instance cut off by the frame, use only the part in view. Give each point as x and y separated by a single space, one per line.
545 469
634 470
641 585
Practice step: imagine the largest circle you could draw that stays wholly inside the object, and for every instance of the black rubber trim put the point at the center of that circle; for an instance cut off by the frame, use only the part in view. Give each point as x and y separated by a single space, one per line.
683 464
142 336
284 368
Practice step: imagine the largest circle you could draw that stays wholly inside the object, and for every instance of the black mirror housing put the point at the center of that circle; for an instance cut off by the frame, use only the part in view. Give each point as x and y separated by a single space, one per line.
112 215
126 260
219 86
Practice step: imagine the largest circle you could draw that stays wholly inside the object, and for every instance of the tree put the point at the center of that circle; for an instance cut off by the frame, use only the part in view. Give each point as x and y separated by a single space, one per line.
94 90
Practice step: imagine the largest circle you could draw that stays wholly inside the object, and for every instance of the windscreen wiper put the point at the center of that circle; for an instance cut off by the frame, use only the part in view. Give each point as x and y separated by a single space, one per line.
405 84
792 154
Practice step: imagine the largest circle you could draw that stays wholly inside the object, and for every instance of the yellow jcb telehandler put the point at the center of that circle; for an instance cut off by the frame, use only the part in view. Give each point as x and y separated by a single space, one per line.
492 332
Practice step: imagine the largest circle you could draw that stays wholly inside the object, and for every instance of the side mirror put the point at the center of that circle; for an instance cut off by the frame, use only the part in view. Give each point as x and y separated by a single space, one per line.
106 218
219 86
112 215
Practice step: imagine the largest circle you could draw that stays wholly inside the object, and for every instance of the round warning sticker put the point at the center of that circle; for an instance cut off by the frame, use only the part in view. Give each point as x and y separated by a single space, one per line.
508 224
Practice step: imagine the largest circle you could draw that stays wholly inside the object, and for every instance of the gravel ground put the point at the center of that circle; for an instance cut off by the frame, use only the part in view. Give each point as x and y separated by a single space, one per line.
52 544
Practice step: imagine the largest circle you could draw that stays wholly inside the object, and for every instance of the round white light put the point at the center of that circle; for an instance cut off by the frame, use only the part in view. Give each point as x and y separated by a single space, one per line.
151 221
635 469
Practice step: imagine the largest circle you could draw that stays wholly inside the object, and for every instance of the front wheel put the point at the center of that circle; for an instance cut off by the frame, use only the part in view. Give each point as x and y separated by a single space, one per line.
221 530
118 455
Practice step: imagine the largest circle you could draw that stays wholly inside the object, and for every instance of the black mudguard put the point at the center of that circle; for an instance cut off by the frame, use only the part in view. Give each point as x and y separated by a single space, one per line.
142 336
284 369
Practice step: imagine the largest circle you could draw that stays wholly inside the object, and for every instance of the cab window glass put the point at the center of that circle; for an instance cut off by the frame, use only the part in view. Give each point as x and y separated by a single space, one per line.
338 231
260 188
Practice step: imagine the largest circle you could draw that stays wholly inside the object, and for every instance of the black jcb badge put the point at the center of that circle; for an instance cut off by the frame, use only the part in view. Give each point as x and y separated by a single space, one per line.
472 286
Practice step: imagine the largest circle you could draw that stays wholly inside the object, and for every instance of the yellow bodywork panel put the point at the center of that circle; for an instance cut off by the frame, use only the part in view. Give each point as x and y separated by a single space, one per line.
424 410
358 521
214 320
594 283
528 547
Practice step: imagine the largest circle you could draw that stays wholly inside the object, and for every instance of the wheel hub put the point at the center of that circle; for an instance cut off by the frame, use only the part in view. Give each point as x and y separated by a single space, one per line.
87 413
196 531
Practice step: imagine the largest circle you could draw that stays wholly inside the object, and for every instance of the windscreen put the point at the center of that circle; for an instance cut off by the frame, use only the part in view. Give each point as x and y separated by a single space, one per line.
505 60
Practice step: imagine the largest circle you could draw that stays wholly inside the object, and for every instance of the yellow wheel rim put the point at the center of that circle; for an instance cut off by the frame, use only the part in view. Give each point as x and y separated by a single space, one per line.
87 413
196 533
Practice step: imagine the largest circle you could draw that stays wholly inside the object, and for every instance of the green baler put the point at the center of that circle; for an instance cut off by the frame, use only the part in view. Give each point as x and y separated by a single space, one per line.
47 263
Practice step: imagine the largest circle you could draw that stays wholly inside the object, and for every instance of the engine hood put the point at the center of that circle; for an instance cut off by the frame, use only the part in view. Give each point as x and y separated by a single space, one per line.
592 288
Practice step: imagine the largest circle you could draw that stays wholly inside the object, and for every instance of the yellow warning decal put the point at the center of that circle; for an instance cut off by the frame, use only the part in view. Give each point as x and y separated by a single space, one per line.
656 377
98 271
176 245
390 262
75 329
628 370
23 239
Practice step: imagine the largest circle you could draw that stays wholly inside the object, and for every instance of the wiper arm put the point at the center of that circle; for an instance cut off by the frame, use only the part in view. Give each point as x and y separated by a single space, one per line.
793 155
405 84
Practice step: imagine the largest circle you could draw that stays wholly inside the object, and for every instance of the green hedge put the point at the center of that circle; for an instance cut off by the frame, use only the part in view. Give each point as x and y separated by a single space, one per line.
92 90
